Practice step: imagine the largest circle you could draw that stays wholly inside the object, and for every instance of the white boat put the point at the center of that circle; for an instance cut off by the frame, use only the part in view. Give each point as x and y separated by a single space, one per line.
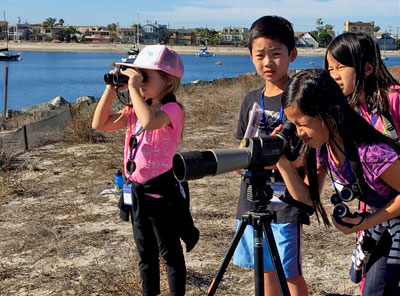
133 52
131 56
6 55
204 53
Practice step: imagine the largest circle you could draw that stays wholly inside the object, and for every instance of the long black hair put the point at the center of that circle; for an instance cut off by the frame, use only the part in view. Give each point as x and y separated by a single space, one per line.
355 50
317 94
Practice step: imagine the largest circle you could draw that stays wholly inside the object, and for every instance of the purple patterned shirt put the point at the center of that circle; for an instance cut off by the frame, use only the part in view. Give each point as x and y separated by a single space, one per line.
375 159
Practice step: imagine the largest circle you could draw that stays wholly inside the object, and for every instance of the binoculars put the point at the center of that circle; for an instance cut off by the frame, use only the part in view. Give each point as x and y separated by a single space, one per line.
348 193
118 78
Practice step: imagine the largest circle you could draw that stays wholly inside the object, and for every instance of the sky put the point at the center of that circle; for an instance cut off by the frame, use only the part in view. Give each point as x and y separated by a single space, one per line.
213 14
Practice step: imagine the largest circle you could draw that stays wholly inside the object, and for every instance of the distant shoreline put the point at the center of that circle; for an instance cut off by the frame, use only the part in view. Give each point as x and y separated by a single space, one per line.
123 48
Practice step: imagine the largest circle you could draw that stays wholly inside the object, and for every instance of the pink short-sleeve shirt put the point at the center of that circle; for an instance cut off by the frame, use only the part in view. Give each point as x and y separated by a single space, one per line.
394 109
156 147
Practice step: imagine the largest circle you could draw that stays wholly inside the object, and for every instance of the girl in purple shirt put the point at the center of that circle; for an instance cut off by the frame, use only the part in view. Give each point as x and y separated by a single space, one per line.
350 150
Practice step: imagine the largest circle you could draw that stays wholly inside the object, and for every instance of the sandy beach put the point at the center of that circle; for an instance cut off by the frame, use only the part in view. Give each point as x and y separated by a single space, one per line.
123 48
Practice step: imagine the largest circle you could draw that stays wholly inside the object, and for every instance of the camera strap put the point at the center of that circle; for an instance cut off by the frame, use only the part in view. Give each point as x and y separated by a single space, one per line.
348 167
374 112
387 122
139 131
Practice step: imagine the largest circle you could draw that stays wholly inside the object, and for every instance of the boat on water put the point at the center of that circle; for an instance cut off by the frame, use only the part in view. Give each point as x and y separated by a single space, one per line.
204 53
131 55
6 55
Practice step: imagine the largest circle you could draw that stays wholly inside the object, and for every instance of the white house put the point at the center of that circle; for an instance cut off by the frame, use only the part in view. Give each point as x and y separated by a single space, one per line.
307 41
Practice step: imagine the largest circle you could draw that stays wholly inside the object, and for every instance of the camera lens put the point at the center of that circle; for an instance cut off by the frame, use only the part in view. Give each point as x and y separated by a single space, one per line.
340 210
335 199
346 194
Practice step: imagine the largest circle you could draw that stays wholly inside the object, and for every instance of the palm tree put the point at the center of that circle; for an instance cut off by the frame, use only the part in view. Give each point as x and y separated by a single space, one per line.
70 33
50 22
113 30
61 22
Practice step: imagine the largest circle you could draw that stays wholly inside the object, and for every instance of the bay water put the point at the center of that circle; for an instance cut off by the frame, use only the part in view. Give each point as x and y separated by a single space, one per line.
42 76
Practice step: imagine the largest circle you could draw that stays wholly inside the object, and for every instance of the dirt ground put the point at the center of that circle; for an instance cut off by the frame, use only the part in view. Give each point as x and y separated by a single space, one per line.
61 236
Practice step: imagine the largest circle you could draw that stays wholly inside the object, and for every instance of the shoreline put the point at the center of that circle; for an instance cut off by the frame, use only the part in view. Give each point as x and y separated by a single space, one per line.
123 48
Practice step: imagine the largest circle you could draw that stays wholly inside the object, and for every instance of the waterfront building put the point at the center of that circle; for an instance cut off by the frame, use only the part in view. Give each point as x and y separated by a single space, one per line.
387 42
306 40
153 33
233 35
359 27
181 37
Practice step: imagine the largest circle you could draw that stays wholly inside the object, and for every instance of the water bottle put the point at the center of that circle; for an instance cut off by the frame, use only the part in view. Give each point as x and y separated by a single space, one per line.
119 183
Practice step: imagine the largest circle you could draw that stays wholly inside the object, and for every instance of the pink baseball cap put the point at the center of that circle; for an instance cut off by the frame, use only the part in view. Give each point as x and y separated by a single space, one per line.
158 57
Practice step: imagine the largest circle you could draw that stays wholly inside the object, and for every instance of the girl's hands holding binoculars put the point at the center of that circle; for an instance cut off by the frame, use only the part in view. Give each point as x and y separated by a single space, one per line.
135 77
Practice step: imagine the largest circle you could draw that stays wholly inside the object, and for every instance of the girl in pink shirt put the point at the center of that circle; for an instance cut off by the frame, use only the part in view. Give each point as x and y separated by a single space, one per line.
154 123
354 62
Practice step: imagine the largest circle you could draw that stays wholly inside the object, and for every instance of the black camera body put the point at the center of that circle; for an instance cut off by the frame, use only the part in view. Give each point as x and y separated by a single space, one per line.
348 193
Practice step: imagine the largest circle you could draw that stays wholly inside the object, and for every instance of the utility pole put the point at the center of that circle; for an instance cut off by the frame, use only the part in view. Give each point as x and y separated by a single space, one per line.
137 32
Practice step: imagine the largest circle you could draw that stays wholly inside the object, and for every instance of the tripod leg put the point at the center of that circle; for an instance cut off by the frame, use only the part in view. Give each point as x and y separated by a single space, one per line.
235 241
258 261
276 261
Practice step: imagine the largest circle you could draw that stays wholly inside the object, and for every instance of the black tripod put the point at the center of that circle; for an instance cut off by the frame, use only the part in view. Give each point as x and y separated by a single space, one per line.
259 194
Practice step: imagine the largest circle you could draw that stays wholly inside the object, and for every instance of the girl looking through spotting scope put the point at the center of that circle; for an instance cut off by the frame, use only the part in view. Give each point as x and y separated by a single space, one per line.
351 150
159 205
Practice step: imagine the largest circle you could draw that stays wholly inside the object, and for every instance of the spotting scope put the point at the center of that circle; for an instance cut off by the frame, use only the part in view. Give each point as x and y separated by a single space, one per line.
256 152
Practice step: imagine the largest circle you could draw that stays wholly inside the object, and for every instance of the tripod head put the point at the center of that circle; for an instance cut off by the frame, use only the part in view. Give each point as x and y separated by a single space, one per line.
258 192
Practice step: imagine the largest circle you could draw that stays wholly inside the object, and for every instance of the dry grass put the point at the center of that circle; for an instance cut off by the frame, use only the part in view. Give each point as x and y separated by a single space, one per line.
9 168
79 129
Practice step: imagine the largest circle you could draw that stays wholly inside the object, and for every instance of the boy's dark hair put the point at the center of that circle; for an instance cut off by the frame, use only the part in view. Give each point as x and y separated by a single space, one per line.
273 27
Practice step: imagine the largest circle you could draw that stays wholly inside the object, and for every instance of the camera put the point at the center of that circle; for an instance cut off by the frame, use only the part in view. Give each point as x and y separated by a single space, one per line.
118 78
341 210
256 152
348 193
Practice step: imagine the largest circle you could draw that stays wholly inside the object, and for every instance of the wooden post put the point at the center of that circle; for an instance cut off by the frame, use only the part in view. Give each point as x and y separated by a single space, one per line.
5 91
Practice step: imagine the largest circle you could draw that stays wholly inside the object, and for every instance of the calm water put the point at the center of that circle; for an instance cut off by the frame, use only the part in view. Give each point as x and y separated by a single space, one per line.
42 76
